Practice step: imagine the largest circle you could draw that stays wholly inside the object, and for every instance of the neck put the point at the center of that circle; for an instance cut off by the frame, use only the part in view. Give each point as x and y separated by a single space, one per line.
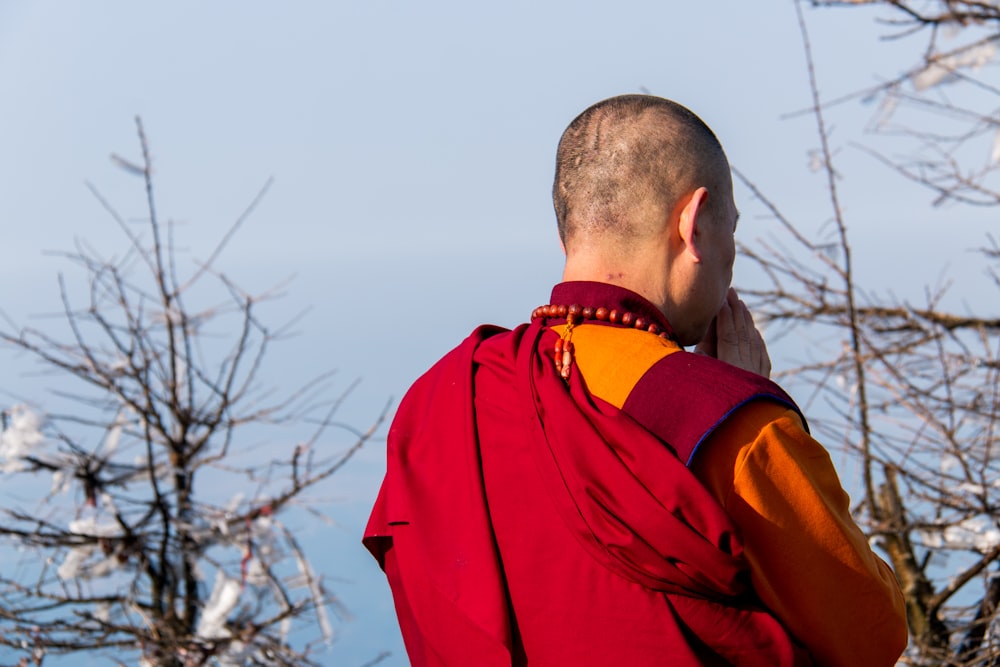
645 278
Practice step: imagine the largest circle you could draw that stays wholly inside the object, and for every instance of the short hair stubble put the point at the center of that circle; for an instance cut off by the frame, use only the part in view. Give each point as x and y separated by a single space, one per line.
626 157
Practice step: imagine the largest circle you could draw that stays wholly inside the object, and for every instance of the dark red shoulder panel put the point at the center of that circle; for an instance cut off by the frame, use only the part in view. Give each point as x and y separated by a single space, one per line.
684 397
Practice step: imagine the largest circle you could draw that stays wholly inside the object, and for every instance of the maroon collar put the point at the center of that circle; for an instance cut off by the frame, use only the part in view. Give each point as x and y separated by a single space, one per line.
594 294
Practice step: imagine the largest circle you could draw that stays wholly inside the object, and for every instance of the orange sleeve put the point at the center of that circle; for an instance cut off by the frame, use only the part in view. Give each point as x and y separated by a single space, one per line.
810 563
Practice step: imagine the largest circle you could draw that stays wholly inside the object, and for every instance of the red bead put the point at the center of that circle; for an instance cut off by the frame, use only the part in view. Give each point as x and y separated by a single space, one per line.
575 313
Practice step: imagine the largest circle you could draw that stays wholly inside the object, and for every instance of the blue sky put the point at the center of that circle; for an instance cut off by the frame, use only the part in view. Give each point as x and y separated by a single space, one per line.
412 149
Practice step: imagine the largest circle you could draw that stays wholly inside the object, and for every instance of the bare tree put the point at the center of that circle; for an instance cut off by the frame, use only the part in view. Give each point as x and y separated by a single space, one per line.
161 539
945 106
913 391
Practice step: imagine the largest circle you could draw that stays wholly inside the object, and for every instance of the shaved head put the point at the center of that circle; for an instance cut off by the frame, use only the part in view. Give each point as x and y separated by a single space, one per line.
624 163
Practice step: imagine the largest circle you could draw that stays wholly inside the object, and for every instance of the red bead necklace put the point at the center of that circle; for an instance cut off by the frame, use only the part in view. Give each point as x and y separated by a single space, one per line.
576 314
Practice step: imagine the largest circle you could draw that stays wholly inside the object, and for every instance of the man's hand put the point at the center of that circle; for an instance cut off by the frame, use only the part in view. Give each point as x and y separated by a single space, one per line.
733 338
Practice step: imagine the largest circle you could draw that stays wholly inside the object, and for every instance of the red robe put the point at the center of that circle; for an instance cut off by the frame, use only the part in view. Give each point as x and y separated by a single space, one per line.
523 521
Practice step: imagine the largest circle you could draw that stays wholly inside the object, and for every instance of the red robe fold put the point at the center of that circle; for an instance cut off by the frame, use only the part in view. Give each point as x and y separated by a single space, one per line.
473 578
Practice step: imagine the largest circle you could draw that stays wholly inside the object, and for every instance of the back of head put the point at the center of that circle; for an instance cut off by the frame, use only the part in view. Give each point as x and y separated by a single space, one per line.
624 163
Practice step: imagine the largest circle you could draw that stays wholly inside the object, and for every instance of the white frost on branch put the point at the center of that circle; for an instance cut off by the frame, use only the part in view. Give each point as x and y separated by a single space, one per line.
972 489
950 462
102 612
943 69
225 596
978 533
285 629
315 587
238 654
61 482
262 532
72 565
90 527
21 437
75 565
108 503
220 521
235 502
114 435
995 154
257 575
845 385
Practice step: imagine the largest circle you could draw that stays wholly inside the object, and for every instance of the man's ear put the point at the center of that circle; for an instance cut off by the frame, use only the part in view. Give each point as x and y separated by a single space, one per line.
691 206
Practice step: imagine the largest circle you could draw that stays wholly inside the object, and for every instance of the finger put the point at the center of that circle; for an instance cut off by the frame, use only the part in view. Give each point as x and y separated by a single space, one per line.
728 338
765 366
761 360
756 342
743 325
724 325
726 342
744 346
758 351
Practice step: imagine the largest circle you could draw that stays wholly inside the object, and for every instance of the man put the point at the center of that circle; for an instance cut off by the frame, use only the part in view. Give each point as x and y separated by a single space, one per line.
582 491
